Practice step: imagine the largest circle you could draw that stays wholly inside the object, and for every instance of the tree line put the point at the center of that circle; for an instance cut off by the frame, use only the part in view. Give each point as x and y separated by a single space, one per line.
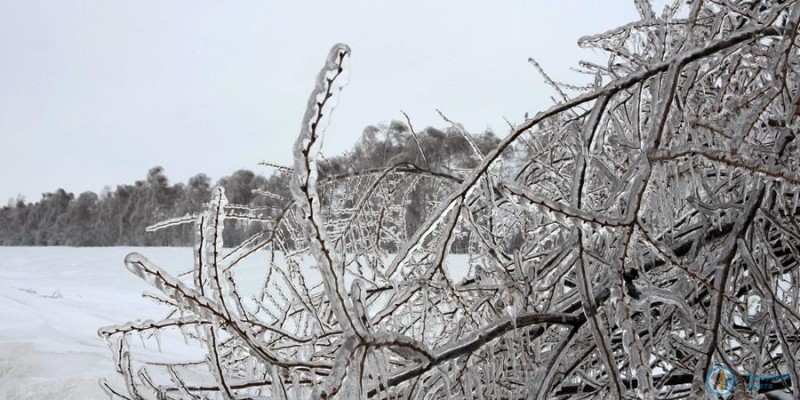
120 216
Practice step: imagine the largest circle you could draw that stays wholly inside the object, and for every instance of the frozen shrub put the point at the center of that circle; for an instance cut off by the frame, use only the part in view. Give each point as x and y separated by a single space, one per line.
620 243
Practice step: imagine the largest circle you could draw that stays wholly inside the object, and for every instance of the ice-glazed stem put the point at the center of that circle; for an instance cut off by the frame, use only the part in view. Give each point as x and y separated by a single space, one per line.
304 188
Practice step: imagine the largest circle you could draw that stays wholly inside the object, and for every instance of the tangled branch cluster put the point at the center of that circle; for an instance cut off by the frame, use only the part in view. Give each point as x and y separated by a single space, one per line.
657 211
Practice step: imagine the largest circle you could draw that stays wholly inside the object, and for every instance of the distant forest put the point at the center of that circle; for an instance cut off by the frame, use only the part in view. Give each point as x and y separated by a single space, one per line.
119 216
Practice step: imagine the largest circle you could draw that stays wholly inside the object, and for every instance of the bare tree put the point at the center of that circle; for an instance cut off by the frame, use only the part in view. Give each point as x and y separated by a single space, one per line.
656 211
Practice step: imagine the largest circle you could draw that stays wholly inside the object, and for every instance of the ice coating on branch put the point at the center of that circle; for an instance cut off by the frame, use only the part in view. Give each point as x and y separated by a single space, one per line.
214 362
151 325
194 301
304 184
213 245
186 219
198 253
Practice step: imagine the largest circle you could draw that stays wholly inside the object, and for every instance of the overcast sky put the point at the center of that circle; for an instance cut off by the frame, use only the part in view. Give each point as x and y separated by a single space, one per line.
95 92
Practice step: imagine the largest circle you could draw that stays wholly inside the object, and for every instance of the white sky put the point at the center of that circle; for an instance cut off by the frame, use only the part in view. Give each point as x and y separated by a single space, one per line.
95 92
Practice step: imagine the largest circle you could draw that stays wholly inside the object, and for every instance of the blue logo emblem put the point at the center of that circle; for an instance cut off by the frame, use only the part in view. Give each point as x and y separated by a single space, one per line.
721 381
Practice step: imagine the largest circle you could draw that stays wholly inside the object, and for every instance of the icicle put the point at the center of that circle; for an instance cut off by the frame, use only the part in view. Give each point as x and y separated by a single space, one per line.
730 177
278 390
683 188
185 333
298 393
157 337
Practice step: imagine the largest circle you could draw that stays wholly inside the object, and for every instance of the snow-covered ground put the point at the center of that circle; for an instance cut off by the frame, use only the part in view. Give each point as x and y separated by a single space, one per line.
53 300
